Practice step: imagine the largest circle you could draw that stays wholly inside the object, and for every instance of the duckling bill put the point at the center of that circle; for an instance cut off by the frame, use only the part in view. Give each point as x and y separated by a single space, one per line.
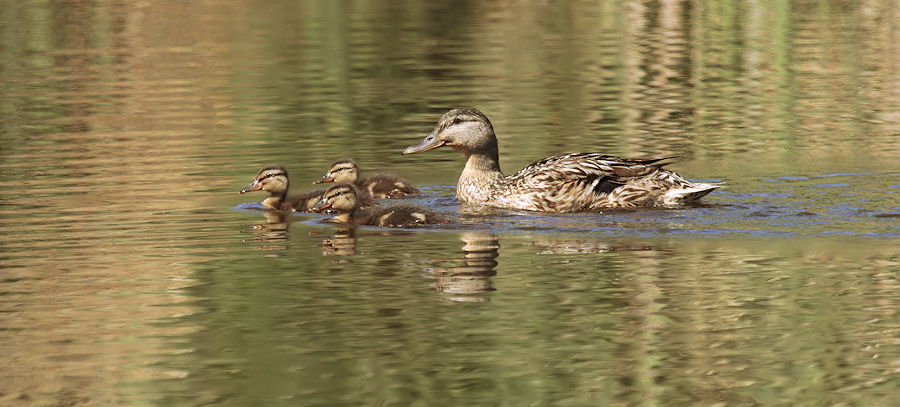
566 183
377 185
342 199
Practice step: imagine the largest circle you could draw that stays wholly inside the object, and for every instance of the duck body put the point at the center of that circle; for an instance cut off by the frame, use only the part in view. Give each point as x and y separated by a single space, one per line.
579 182
397 216
274 180
387 186
573 182
302 202
376 186
341 198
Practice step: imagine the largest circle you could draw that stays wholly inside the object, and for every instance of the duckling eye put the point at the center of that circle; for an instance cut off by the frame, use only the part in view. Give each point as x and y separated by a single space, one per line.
457 120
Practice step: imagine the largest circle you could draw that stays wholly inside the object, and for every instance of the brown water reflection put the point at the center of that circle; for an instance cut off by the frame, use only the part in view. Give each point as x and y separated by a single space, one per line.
343 243
274 232
469 280
130 276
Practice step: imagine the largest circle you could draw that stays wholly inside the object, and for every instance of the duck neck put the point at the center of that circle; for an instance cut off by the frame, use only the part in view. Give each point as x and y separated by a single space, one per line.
482 171
347 216
275 200
483 161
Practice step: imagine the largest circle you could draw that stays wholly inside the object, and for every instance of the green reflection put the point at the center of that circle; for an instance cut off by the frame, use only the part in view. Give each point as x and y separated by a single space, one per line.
128 279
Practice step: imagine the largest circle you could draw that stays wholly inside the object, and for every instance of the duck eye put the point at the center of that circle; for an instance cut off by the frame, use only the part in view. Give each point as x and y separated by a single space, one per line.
457 120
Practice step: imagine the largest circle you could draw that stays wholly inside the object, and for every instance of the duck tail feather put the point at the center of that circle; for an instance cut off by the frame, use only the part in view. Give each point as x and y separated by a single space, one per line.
689 194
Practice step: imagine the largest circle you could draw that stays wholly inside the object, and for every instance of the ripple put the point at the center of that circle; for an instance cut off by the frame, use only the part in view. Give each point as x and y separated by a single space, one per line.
133 274
831 185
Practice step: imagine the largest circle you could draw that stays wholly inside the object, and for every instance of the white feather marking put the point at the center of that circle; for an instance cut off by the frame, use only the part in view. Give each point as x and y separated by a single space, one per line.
383 219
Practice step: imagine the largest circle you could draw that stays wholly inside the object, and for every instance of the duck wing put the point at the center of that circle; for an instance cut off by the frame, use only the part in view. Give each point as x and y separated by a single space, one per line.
387 186
572 182
587 168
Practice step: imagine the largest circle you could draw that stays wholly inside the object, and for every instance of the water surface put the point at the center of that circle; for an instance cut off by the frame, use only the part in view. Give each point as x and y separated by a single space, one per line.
132 273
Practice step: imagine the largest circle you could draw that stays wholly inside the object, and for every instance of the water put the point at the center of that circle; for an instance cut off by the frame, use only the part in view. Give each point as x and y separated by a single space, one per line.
132 273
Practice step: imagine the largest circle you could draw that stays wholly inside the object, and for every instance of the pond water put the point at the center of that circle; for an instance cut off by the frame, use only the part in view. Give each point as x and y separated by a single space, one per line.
133 273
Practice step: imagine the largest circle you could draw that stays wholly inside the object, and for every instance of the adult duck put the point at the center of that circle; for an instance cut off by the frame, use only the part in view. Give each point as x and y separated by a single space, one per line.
565 183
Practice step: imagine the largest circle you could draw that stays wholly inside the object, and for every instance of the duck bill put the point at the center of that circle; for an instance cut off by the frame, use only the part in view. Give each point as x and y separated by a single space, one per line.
320 206
253 186
430 142
325 178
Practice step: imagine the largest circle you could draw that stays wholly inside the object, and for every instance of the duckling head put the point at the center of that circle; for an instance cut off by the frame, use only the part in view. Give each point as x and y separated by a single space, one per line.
341 197
466 130
343 170
272 178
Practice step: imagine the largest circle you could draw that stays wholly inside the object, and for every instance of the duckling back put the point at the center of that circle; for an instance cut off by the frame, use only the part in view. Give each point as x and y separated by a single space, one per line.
304 201
398 216
387 186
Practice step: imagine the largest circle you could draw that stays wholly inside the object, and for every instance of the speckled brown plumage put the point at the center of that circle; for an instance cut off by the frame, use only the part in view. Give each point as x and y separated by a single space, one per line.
377 185
565 183
342 198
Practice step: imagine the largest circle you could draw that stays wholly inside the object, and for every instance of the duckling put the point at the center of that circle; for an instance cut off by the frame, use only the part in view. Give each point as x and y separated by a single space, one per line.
566 183
342 198
378 185
274 179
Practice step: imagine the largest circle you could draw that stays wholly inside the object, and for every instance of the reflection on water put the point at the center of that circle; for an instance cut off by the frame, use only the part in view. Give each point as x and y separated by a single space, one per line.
127 277
583 246
469 279
343 243
273 233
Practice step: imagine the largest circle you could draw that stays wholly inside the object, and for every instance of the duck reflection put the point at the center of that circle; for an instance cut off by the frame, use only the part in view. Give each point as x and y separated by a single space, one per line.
273 231
470 279
581 246
343 243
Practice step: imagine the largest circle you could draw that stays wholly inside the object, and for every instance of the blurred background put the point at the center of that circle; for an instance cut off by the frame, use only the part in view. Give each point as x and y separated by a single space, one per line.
132 273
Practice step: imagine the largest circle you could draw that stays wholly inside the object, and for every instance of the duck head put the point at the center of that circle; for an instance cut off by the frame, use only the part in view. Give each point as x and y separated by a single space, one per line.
343 170
341 198
273 178
466 130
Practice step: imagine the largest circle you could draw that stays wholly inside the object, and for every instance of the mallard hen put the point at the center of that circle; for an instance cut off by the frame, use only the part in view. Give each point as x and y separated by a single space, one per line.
274 180
565 183
377 185
342 198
